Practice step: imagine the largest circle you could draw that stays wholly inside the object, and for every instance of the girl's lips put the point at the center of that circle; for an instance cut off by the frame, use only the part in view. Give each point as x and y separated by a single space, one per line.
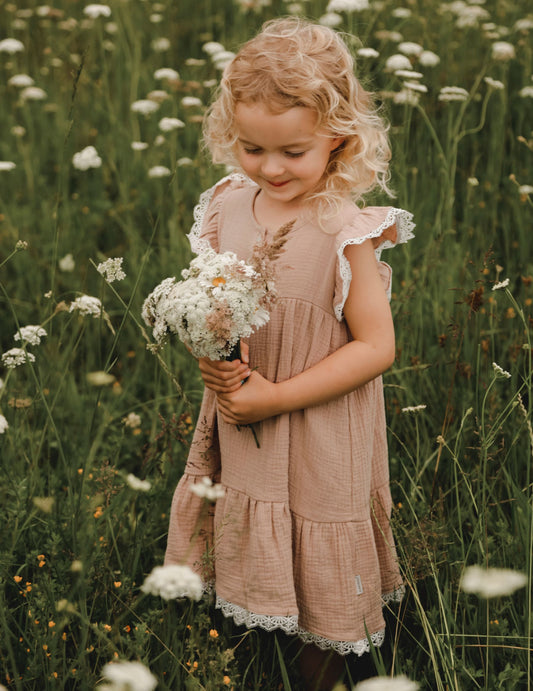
279 184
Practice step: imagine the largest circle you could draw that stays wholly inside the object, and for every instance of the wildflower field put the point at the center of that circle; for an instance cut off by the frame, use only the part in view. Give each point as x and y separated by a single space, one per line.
101 165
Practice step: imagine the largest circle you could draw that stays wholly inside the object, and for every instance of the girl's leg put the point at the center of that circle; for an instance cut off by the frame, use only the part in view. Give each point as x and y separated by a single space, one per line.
321 669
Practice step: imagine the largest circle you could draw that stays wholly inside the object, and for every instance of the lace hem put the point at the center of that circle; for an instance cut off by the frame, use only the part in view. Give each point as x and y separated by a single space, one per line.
396 596
289 625
405 227
198 243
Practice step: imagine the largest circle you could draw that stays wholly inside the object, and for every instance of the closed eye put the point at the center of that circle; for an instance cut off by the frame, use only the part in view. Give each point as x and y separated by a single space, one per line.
294 154
251 151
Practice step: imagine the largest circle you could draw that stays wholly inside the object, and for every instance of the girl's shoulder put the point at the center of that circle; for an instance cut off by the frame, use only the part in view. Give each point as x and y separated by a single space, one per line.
385 226
207 210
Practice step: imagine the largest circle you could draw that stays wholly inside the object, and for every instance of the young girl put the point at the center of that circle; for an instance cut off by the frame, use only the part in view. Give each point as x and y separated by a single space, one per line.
301 539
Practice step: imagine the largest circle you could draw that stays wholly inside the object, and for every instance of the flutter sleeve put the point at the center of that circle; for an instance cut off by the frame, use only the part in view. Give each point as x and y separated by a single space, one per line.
386 227
204 231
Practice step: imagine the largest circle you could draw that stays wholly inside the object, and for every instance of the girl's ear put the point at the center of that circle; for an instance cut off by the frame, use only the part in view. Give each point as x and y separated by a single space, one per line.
335 143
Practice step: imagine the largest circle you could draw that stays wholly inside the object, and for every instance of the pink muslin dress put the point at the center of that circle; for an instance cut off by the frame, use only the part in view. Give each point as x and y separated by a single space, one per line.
301 539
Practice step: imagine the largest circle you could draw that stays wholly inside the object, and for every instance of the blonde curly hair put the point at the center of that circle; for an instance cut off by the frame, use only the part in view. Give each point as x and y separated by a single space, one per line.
293 62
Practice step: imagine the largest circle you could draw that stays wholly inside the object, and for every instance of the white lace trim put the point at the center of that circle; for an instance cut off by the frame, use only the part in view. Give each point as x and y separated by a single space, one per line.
395 596
198 243
404 225
289 625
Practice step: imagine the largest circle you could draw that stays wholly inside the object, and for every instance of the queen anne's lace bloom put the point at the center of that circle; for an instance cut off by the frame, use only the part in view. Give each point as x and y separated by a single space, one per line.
347 5
7 165
491 582
137 484
128 676
30 334
159 172
503 51
173 581
401 683
501 284
11 46
169 124
16 356
86 305
20 80
33 93
500 372
453 93
86 158
166 73
144 106
3 424
93 11
205 489
132 420
111 269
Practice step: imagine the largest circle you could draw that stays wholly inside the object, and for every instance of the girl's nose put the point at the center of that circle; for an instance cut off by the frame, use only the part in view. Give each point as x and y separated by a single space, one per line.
272 166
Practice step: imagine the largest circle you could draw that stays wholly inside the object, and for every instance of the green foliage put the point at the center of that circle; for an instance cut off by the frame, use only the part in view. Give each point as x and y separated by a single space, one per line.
78 540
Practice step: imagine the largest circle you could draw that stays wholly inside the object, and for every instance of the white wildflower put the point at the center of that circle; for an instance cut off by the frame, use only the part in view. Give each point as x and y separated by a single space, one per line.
170 124
221 60
524 24
86 305
410 48
160 45
401 683
144 106
18 130
132 420
191 102
139 146
67 263
93 11
159 172
526 92
415 86
3 424
11 46
99 378
158 95
137 484
398 61
184 161
406 97
7 165
524 190
21 80
495 84
173 581
156 18
473 182
212 47
503 51
408 74
453 93
128 676
386 35
347 5
15 357
159 140
166 73
501 284
111 269
414 408
428 58
368 53
86 158
195 62
33 93
30 334
111 27
205 489
401 13
330 19
491 582
500 372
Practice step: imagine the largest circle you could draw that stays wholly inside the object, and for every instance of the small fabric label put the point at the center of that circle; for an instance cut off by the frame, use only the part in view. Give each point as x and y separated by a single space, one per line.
358 585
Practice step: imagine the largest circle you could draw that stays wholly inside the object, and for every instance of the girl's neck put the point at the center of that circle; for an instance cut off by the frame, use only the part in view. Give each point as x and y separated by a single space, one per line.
272 216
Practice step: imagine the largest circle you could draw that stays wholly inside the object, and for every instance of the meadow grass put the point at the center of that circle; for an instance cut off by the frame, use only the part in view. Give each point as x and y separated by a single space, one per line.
78 539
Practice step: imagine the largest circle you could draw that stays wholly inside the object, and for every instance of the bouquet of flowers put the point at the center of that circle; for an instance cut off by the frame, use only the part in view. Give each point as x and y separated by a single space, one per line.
220 300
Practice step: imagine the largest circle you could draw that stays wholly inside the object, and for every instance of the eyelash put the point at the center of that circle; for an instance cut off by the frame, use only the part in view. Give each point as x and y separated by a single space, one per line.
290 154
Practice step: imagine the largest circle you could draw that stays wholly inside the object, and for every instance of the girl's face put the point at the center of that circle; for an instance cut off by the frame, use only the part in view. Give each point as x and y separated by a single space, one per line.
283 153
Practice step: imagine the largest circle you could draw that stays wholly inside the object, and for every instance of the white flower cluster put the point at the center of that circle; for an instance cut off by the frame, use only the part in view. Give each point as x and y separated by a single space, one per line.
347 5
400 683
132 420
414 408
220 300
491 582
173 581
111 269
137 484
11 46
501 284
205 489
500 372
127 676
15 357
3 424
31 334
86 158
453 93
86 305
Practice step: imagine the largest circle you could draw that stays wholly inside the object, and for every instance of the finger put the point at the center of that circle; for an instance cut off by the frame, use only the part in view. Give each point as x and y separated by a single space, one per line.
245 352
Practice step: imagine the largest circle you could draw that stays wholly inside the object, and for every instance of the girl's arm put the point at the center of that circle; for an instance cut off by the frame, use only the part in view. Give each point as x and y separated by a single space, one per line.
371 352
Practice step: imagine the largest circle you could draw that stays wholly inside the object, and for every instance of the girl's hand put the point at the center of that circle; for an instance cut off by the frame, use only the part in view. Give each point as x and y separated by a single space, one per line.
222 376
255 400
